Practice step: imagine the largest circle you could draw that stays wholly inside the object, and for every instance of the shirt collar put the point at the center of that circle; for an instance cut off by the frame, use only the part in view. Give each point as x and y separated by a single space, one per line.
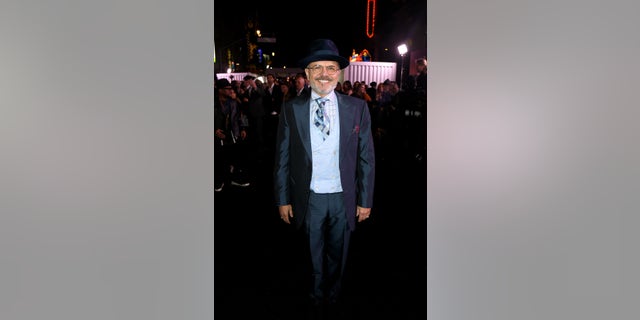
331 96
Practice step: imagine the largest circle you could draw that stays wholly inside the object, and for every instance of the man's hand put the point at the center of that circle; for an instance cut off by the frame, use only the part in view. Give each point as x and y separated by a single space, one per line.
362 213
286 212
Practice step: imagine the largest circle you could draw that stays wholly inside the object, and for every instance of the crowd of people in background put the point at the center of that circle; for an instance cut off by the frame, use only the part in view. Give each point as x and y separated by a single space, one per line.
246 119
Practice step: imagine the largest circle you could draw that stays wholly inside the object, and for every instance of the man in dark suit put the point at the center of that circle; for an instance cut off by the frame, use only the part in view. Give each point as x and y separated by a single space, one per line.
272 102
254 106
324 168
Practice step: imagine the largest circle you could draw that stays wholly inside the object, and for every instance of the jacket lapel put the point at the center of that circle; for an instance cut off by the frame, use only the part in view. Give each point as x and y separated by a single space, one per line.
346 122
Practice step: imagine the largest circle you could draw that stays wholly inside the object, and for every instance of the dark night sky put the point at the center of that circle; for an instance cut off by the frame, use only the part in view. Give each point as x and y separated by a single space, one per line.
295 25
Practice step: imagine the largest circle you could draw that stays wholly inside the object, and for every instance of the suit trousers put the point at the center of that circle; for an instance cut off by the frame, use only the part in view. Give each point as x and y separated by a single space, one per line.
328 235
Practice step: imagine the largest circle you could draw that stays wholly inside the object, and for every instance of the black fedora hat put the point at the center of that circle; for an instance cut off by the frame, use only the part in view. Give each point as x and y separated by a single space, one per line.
323 49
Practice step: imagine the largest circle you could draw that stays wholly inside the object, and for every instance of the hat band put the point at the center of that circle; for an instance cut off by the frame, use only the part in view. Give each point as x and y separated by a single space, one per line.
324 52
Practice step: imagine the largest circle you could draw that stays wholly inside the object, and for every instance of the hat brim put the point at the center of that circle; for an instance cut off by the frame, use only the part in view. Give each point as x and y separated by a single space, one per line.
342 61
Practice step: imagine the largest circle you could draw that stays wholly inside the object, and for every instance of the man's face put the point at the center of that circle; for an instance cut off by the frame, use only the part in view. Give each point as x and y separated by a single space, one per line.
323 76
300 82
270 79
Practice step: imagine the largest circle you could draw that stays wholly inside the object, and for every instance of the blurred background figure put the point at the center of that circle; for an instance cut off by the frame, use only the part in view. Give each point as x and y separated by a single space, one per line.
230 126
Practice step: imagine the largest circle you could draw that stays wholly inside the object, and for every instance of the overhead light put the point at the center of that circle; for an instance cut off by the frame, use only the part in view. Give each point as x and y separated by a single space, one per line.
402 49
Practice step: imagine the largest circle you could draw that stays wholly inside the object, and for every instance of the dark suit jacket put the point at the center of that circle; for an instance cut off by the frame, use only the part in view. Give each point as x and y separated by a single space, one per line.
272 101
292 171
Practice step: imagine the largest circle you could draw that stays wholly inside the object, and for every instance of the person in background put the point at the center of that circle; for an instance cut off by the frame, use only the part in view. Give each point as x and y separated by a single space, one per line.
272 101
339 87
324 171
286 93
300 84
272 95
253 104
372 90
421 76
347 87
230 133
360 91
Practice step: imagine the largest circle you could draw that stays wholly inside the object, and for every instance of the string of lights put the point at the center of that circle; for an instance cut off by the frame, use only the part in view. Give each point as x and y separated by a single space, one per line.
371 12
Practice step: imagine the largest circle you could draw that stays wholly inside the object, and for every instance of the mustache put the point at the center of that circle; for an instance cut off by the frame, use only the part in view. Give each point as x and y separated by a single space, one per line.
324 78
